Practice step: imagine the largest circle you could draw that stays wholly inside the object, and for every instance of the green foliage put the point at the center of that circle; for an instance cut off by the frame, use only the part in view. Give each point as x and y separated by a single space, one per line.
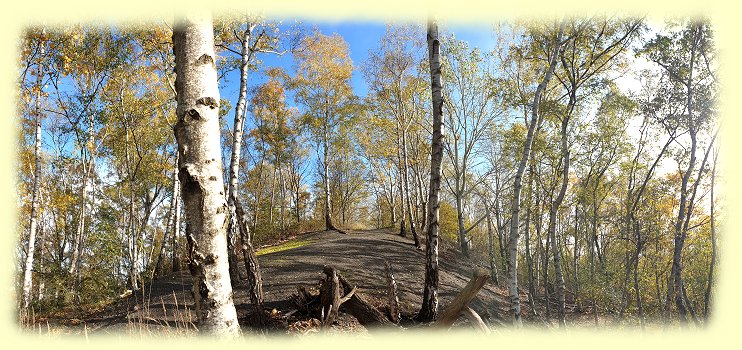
447 221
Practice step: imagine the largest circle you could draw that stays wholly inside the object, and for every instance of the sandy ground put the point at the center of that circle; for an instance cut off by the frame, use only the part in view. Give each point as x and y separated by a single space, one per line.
166 304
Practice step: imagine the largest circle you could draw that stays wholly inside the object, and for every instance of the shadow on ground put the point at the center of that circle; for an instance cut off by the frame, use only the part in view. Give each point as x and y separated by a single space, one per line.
358 255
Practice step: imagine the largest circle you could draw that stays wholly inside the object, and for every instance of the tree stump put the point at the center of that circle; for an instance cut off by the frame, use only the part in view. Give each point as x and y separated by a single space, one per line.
352 302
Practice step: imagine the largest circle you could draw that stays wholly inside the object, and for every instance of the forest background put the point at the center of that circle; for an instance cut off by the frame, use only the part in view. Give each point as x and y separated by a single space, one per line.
722 16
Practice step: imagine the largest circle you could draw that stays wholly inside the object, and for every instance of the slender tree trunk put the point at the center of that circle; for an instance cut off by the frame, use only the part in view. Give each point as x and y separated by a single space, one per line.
392 206
686 222
691 308
157 272
343 210
657 281
545 260
407 191
594 236
710 278
272 200
592 248
529 261
149 202
429 309
418 176
254 276
133 253
499 225
463 241
552 224
680 233
400 181
234 160
631 226
258 191
200 172
539 245
625 297
676 270
283 199
575 258
41 266
667 315
379 200
80 223
31 247
416 197
297 188
131 172
326 169
176 218
515 212
491 243
76 253
170 221
637 290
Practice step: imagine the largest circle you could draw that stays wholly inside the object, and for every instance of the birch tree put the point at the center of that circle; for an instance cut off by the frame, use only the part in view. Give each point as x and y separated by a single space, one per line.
234 160
252 36
322 85
390 74
429 310
200 174
517 181
32 227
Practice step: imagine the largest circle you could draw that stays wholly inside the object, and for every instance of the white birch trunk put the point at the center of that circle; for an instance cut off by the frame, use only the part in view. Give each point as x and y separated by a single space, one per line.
28 267
176 219
429 309
234 161
200 172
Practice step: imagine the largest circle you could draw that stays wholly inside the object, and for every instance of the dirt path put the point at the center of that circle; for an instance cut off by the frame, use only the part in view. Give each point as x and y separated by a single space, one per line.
359 256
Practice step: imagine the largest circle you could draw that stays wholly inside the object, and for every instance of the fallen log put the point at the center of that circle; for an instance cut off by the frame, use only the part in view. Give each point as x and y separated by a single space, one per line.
463 299
334 285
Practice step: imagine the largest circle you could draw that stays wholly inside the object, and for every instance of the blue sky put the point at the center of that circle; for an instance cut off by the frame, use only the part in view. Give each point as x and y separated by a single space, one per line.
361 37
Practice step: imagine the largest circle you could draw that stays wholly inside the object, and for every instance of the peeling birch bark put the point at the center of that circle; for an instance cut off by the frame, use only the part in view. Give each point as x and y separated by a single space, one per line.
200 174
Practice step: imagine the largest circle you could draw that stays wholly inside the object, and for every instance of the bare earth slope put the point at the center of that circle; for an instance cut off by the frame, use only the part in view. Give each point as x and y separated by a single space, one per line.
358 255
